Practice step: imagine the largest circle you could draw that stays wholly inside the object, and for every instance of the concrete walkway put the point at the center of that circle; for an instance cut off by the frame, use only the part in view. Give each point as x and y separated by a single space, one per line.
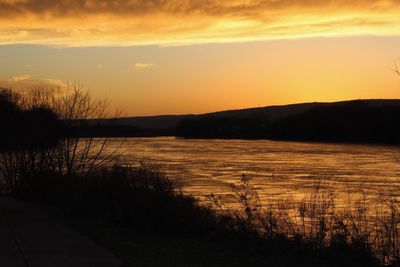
30 237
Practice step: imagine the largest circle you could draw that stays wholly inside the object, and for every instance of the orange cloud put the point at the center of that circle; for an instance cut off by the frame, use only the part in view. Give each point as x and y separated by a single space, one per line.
142 66
19 78
168 22
26 82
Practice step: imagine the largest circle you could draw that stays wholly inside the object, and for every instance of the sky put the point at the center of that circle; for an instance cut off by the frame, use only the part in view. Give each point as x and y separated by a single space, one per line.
153 57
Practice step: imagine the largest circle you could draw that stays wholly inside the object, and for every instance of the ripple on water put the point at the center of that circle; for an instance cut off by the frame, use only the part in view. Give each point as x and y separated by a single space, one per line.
278 169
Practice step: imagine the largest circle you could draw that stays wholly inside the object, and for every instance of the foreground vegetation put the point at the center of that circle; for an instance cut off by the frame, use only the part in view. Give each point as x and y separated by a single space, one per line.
366 225
312 232
143 200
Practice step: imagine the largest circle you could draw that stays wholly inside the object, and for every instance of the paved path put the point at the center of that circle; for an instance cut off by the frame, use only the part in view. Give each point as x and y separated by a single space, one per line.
30 237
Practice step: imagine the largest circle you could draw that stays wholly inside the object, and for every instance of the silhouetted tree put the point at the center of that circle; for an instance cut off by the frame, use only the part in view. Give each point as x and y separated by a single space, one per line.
41 135
26 128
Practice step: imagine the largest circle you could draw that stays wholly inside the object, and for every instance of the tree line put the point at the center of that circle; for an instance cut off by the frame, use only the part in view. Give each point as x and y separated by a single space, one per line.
354 122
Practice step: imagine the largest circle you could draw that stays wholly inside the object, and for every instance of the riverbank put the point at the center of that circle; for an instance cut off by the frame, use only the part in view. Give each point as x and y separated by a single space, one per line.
142 217
151 249
30 236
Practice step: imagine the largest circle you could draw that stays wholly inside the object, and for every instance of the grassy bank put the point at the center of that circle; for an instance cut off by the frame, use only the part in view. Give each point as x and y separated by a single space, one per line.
131 209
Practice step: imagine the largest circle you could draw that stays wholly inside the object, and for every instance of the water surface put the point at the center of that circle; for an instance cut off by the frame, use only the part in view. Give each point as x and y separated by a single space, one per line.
277 169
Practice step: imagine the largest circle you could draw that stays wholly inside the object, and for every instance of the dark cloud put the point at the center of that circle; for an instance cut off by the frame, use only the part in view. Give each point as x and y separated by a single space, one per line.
46 8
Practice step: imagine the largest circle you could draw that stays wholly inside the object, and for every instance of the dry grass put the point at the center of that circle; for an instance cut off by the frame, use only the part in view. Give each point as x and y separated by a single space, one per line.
317 221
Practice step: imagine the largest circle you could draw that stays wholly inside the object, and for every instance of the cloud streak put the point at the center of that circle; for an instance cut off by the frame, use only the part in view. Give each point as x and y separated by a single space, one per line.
19 78
26 82
165 22
142 66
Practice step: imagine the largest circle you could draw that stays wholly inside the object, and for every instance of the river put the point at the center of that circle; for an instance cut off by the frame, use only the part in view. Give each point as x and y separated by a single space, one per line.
278 170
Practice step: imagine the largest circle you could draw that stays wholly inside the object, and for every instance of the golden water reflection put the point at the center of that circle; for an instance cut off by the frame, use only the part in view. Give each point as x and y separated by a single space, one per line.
279 170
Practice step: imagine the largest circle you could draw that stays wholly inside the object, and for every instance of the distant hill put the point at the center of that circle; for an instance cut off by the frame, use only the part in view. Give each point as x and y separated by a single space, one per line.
171 121
154 122
369 121
270 113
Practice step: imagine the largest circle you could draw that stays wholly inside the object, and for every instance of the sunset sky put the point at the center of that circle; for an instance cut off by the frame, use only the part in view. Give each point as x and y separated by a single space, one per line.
192 56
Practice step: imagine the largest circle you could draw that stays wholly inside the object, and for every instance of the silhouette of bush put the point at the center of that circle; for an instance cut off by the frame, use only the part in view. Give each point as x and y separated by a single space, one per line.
359 234
141 197
32 128
39 135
